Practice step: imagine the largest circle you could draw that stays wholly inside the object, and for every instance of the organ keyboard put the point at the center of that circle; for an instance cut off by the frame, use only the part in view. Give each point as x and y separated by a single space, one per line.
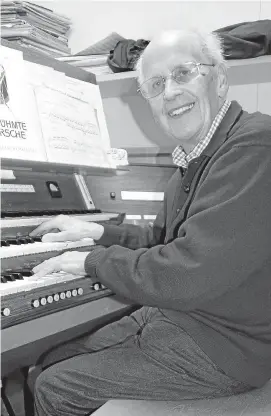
22 298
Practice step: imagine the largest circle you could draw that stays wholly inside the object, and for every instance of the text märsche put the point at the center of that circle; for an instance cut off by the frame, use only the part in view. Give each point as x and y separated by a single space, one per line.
15 129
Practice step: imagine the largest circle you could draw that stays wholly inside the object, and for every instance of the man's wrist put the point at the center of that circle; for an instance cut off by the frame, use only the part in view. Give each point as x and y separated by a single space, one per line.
95 231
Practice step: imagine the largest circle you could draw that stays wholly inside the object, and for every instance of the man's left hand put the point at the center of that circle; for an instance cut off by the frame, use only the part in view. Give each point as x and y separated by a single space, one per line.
70 262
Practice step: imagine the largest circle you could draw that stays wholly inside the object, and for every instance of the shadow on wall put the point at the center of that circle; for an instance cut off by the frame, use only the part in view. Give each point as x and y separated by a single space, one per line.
131 124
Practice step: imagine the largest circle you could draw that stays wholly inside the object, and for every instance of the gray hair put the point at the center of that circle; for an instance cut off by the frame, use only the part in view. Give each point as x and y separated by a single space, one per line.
208 43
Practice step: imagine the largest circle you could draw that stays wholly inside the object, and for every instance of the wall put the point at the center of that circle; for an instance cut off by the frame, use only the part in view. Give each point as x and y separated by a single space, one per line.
93 20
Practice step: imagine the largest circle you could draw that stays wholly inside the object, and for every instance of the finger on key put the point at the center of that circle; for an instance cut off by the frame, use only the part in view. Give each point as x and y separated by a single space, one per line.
44 268
61 236
47 226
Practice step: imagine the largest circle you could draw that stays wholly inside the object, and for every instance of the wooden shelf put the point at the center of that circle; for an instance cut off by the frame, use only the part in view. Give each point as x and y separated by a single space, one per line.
240 71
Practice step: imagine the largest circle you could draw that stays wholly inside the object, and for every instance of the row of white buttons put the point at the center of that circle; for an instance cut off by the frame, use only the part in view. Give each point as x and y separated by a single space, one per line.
56 297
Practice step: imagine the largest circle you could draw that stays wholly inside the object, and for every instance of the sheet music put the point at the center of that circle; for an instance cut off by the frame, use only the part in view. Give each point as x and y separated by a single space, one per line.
20 130
70 128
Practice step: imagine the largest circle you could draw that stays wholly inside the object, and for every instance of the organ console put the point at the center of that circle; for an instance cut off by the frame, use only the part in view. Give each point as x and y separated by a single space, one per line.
22 297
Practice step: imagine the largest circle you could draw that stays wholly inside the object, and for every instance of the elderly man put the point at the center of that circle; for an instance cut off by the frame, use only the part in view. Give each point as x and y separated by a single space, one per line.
202 272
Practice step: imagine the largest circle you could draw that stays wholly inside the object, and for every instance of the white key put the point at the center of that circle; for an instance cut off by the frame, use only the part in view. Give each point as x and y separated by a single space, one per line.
35 221
20 286
17 286
40 247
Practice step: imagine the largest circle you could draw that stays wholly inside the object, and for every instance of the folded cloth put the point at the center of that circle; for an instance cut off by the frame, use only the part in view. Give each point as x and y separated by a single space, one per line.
246 40
125 54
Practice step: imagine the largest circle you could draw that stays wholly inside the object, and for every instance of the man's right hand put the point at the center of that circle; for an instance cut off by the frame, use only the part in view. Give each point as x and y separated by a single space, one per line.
65 228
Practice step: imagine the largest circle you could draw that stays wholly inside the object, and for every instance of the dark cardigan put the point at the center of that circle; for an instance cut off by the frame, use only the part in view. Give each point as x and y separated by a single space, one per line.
206 262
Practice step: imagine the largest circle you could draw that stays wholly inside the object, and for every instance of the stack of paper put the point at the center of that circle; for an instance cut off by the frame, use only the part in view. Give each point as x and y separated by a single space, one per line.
35 27
94 58
47 116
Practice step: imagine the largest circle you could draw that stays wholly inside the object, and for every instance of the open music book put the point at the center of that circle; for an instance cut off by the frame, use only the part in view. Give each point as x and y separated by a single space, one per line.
47 116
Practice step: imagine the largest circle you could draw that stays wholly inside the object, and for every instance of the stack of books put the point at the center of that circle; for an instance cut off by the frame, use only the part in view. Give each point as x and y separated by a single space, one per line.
94 58
35 27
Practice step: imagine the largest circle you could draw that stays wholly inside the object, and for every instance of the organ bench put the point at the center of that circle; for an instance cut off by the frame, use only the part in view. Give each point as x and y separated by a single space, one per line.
255 403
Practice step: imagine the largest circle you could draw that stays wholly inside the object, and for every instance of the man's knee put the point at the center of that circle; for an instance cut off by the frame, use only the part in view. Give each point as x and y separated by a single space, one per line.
47 394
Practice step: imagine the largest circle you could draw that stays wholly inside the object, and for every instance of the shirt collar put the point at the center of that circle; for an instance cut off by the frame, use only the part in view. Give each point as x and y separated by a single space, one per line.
181 158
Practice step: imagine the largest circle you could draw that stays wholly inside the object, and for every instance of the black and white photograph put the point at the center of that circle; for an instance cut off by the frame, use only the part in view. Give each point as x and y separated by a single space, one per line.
135 180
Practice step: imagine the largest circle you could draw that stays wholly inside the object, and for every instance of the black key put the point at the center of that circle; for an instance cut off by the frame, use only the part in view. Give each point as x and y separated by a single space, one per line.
23 240
37 239
5 214
4 243
27 272
30 240
10 277
18 276
14 241
3 279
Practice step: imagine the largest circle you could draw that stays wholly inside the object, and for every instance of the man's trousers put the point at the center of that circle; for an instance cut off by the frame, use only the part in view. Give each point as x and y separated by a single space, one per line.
141 356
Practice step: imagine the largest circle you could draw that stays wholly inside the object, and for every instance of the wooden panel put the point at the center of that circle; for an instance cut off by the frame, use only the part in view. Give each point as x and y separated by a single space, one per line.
41 198
138 178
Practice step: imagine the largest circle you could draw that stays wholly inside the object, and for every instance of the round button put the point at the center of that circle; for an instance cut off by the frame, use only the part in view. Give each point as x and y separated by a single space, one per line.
56 297
6 312
178 210
80 291
35 303
62 295
187 188
50 299
96 286
68 294
74 292
43 301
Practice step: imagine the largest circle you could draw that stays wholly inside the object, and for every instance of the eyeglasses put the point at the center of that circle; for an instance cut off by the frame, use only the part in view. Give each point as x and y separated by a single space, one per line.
182 75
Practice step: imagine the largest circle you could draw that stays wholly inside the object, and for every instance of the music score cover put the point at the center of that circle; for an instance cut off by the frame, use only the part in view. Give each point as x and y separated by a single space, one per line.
20 131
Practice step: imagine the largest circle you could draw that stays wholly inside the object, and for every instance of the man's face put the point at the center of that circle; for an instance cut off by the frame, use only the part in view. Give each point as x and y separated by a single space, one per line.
184 111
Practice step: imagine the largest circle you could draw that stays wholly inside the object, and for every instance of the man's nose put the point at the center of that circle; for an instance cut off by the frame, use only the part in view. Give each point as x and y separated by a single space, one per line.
172 89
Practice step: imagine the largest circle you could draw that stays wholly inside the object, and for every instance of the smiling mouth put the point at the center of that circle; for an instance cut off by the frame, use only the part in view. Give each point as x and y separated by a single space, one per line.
176 112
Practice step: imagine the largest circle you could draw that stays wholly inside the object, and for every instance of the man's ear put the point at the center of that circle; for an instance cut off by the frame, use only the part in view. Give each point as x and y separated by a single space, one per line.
222 81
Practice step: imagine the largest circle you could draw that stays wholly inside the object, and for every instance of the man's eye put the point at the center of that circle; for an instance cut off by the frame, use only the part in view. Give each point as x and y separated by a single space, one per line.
182 73
156 84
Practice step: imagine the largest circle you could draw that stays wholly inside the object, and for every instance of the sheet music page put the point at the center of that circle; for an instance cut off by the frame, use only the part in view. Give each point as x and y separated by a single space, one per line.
70 126
20 130
41 75
90 93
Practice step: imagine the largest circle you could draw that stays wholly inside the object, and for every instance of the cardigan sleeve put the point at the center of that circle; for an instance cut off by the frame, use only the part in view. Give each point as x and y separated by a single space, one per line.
225 238
134 236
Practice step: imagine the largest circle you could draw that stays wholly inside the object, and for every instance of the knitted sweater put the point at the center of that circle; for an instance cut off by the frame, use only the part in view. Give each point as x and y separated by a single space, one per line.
206 262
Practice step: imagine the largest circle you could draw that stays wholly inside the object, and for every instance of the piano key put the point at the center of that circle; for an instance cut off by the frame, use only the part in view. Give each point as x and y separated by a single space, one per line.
18 276
18 286
27 284
35 221
13 241
4 243
40 247
10 277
